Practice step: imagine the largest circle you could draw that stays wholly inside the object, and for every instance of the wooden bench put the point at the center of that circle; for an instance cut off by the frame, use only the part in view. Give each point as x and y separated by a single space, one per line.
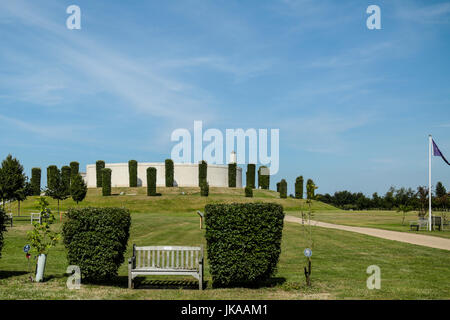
166 260
419 224
436 222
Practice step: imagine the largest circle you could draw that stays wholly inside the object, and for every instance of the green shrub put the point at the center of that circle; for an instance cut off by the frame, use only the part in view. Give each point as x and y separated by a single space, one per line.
74 168
99 165
248 192
65 178
278 187
202 172
2 228
250 175
78 188
36 181
263 178
204 189
243 241
132 173
310 189
151 181
283 189
299 187
96 240
232 168
169 172
106 182
52 176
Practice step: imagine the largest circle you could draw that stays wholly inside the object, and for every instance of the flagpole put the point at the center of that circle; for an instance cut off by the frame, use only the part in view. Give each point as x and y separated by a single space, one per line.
430 142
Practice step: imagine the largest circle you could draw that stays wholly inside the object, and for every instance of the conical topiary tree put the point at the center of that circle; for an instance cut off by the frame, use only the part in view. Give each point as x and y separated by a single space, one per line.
169 172
283 189
99 165
151 181
132 172
299 187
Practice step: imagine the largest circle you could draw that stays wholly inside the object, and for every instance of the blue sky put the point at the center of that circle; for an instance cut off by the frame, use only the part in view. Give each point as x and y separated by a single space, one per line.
354 106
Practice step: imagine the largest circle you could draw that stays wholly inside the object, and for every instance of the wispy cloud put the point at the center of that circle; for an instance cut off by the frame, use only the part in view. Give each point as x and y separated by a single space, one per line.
438 13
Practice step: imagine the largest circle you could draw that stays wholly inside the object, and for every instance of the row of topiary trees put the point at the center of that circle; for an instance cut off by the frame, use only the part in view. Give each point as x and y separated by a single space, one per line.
310 188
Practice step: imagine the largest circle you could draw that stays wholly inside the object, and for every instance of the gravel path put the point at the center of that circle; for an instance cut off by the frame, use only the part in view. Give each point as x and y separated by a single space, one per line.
412 238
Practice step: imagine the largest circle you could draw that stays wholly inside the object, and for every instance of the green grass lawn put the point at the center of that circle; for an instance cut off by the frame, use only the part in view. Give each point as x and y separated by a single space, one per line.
340 258
389 220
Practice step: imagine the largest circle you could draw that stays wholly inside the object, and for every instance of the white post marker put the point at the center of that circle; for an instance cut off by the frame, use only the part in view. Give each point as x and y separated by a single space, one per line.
430 142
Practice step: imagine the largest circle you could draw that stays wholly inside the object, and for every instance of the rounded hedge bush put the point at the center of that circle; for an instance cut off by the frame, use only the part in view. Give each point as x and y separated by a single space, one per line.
250 181
132 173
202 172
36 181
169 172
299 187
99 165
106 182
96 240
232 168
2 228
243 241
248 192
283 189
151 181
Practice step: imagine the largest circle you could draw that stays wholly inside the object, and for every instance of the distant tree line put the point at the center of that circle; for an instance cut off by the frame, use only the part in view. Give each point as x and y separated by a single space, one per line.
393 199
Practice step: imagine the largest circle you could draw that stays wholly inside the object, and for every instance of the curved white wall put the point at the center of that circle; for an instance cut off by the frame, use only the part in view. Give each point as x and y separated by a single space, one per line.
185 175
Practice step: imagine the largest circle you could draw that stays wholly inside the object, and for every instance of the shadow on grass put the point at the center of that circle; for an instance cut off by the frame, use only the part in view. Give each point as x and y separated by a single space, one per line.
269 283
141 283
8 274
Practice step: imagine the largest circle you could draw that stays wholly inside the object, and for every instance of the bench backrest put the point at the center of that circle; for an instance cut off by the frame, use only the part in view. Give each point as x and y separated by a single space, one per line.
168 257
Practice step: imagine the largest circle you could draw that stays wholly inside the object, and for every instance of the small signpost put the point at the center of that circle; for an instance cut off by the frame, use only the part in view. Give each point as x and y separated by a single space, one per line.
307 252
201 214
26 249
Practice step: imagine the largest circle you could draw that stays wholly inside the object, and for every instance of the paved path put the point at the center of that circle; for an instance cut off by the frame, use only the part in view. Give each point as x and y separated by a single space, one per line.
418 239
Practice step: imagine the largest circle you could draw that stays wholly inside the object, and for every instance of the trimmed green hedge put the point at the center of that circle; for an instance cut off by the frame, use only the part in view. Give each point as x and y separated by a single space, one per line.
52 176
99 165
65 178
151 181
248 192
74 168
232 168
204 189
283 189
36 181
106 182
243 241
299 187
132 172
250 175
96 240
263 179
202 172
169 172
2 228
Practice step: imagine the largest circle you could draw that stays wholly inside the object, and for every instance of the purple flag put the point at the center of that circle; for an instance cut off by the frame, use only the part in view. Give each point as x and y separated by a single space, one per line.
438 153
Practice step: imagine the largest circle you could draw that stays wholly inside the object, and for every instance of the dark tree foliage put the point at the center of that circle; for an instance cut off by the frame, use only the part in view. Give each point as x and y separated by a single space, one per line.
65 178
232 168
99 165
204 189
52 176
250 175
106 182
96 241
310 189
12 179
440 190
299 187
36 181
78 188
151 181
169 172
2 228
243 242
283 189
202 172
132 173
278 186
74 168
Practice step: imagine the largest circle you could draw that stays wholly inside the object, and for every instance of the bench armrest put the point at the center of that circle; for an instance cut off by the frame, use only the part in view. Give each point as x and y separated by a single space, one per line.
132 262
